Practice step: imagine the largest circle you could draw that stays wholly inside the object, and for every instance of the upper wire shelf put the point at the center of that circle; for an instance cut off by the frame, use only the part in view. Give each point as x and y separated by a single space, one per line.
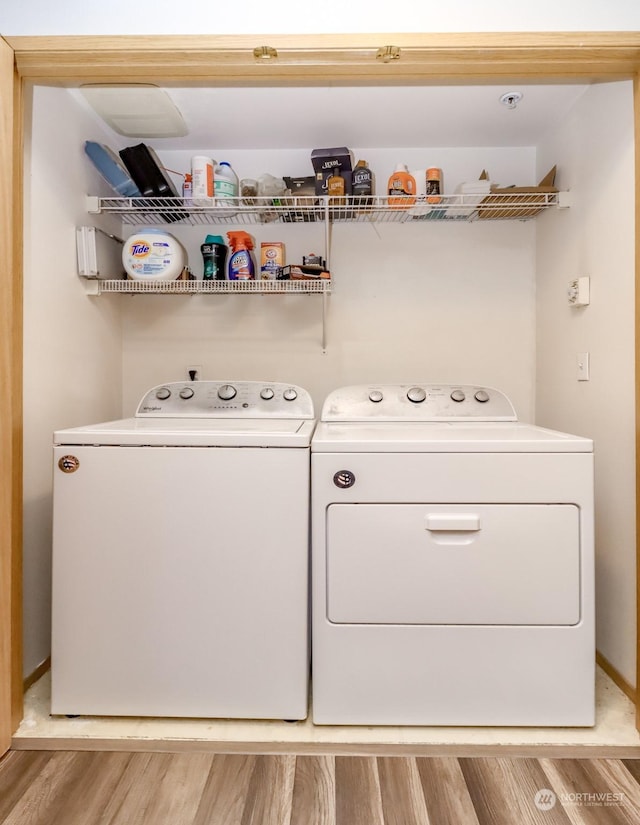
350 209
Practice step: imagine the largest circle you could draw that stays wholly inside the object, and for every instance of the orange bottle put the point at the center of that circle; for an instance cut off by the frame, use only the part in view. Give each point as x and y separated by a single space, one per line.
402 188
336 187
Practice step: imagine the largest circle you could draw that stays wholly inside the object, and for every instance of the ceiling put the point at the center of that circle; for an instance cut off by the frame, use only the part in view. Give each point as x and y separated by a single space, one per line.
363 117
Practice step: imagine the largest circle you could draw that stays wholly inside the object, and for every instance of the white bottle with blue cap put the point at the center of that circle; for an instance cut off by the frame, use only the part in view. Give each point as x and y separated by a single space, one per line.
225 187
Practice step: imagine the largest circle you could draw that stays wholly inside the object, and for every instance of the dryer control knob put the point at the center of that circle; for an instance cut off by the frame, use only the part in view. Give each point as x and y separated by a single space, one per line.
344 479
290 394
416 395
227 392
482 396
457 395
266 394
186 393
163 393
376 396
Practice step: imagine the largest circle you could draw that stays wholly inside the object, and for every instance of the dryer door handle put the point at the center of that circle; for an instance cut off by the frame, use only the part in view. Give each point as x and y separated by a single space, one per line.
452 522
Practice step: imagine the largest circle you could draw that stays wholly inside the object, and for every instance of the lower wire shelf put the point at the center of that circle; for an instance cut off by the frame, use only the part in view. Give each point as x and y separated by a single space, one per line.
99 286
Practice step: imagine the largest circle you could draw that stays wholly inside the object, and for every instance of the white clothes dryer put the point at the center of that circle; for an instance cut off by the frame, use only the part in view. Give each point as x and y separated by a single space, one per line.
180 556
452 562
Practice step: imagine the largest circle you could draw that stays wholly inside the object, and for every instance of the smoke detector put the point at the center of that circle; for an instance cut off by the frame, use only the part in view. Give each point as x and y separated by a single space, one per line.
139 110
511 99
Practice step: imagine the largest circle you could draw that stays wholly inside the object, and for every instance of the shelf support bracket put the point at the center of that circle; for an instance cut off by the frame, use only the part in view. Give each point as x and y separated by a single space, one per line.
324 321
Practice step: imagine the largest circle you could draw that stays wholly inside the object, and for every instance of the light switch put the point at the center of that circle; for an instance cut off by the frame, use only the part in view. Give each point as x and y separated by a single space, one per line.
583 366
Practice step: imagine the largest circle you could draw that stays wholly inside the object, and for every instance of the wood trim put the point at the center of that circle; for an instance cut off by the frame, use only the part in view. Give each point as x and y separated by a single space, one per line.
6 410
474 41
16 198
616 677
10 398
37 674
636 114
341 58
143 745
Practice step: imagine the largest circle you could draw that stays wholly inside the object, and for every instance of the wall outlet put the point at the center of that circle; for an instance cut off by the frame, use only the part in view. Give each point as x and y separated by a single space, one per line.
578 292
194 372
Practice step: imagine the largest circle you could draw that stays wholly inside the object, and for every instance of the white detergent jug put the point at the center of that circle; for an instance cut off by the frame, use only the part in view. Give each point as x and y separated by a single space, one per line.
153 255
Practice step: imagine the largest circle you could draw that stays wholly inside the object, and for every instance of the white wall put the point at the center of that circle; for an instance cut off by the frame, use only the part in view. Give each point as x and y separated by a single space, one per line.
36 17
72 344
422 302
594 150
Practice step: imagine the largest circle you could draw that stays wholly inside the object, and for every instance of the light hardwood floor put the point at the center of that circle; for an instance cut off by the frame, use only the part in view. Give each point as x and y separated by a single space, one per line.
116 788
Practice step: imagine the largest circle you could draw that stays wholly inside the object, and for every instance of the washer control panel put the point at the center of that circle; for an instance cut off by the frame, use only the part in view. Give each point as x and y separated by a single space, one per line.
418 402
225 399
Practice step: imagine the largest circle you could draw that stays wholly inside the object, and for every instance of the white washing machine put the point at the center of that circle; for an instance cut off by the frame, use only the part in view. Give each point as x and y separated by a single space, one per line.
180 556
452 562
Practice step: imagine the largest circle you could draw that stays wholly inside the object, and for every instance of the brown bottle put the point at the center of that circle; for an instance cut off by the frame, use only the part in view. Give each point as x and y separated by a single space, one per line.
336 188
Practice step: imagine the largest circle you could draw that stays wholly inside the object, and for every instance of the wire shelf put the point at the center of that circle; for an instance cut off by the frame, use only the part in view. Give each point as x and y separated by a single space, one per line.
198 287
350 209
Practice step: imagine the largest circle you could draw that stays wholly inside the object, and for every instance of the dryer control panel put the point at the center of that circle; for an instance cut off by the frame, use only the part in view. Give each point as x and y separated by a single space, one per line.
226 399
418 402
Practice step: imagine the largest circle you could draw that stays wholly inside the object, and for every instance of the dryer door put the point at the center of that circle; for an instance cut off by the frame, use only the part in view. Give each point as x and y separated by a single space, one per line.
501 564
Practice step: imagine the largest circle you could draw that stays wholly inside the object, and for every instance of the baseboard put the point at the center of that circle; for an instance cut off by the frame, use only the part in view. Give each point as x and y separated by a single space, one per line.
617 677
145 745
32 678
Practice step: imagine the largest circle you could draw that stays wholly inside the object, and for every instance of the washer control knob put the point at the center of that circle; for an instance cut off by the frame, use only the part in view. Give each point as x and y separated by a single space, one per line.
266 394
416 395
163 393
376 396
186 393
457 395
290 394
227 392
482 396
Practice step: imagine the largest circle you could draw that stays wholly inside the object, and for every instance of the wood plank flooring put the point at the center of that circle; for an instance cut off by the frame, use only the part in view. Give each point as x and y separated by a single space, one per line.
113 788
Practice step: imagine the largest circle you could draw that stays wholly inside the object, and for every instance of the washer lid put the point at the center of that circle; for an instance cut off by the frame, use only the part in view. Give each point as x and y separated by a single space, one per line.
192 432
443 437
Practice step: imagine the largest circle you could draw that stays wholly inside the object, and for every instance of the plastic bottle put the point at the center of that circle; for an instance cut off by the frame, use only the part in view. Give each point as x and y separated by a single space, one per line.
362 184
241 264
202 180
225 187
402 188
214 258
336 187
187 190
434 185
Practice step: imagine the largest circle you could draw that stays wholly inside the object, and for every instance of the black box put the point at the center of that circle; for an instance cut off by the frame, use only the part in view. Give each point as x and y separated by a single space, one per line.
325 162
143 165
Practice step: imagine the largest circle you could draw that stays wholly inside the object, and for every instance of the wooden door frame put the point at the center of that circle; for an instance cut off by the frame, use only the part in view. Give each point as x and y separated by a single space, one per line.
345 59
10 397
